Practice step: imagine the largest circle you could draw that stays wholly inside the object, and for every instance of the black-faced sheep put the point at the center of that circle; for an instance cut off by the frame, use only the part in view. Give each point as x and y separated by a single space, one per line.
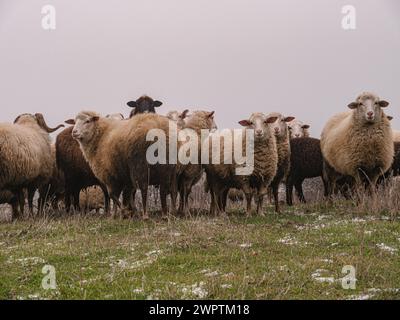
144 104
358 143
222 177
117 152
25 159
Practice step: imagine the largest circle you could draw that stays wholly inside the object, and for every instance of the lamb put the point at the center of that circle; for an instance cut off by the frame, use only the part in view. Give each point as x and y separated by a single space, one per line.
281 132
358 143
297 129
144 104
25 158
117 154
92 198
190 174
222 177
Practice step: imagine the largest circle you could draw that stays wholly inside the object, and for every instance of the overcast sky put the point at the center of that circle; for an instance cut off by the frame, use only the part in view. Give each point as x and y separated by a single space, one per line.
232 56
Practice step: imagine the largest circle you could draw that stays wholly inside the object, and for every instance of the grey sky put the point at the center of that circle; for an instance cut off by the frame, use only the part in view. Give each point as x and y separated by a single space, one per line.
231 56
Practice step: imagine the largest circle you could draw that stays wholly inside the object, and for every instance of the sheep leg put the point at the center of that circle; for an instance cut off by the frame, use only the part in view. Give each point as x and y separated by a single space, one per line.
31 194
144 191
289 192
21 201
163 197
299 190
260 200
67 200
106 200
75 197
249 198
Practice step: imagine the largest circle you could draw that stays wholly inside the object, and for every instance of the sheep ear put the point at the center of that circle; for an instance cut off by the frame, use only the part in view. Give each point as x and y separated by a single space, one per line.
95 118
157 104
70 121
211 114
354 105
383 103
271 119
245 123
132 104
288 119
306 126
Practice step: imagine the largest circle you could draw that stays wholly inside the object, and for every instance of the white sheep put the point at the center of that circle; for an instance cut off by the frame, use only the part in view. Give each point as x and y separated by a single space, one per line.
358 143
222 177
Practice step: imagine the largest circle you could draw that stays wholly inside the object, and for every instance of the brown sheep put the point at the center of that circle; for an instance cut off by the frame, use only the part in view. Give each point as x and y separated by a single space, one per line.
76 170
117 152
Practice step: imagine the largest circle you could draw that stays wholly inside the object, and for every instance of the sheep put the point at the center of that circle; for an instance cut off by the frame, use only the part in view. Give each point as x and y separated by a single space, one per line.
358 143
76 170
178 118
190 174
281 132
222 177
144 104
305 162
25 158
297 129
117 153
92 198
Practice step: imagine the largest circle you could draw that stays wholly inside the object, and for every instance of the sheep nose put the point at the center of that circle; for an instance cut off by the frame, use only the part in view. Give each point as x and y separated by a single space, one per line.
258 131
370 114
276 130
297 135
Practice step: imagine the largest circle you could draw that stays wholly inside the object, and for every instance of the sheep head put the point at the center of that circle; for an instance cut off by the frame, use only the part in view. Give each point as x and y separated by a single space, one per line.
37 119
297 129
85 125
144 104
115 116
200 120
368 108
280 126
260 124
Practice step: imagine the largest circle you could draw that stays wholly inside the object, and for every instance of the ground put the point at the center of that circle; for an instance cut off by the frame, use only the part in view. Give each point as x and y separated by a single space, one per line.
296 255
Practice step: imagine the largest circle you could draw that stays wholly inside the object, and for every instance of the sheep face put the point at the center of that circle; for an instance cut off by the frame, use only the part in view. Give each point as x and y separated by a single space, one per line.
260 124
177 117
368 108
144 104
85 127
297 129
280 126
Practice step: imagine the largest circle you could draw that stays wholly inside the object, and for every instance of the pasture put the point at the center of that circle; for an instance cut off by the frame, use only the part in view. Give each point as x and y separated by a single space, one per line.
295 255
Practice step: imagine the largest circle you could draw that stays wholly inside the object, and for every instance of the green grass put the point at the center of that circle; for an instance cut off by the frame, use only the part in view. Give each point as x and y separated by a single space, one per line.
272 257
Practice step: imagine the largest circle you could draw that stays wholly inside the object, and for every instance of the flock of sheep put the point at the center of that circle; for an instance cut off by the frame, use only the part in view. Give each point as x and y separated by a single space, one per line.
357 148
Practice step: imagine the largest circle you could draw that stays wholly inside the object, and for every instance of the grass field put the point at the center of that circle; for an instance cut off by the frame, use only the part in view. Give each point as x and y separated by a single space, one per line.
296 255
